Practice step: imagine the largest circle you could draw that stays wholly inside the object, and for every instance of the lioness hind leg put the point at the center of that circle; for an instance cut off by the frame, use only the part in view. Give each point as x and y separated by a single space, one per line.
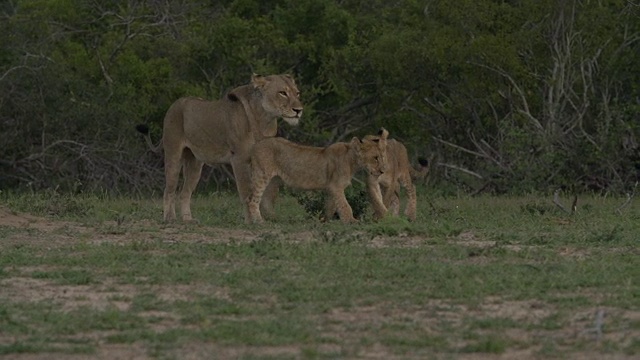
172 166
191 170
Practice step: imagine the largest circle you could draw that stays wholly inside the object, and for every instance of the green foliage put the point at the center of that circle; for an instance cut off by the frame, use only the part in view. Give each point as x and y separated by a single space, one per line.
314 202
488 345
51 203
541 94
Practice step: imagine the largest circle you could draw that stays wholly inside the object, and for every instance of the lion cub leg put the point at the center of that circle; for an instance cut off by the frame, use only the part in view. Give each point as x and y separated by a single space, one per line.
329 208
410 210
269 198
391 199
342 205
191 170
259 182
375 196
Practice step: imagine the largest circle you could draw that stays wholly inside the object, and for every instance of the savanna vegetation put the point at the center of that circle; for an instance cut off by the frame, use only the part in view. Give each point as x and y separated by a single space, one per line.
509 96
515 98
92 276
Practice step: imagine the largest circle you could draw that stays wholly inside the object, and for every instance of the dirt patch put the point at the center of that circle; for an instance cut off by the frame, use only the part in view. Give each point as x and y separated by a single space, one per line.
105 351
468 238
524 325
101 296
15 219
348 328
10 218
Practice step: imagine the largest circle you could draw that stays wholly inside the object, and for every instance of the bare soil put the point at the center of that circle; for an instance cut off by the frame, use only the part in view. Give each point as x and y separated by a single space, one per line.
349 325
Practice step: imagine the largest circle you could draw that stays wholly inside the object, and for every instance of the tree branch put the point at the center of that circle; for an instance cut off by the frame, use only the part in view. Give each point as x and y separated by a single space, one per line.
466 171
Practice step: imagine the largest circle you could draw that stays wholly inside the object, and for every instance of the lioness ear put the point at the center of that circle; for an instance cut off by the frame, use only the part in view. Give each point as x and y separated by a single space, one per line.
290 78
258 81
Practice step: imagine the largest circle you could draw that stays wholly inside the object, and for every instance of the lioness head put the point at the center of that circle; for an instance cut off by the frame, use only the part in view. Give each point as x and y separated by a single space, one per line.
372 152
280 96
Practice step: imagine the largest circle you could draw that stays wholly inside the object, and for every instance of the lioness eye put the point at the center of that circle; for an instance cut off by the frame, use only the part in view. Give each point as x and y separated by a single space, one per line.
283 93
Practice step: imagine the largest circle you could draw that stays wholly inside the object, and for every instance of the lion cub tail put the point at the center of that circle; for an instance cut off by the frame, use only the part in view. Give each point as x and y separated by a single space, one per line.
422 171
144 129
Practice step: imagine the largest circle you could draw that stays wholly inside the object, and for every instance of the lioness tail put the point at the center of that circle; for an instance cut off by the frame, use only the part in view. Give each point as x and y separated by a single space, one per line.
144 129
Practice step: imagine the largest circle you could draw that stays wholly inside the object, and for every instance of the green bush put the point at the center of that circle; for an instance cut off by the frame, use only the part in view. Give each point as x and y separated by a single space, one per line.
313 202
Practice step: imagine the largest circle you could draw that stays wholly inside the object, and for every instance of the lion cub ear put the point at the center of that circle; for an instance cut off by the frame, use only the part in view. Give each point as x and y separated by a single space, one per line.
384 134
258 81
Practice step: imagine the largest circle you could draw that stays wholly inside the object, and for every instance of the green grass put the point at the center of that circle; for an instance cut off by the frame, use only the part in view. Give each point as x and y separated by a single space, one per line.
472 275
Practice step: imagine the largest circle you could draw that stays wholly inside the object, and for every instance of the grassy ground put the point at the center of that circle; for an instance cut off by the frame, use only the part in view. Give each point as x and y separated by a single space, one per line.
473 278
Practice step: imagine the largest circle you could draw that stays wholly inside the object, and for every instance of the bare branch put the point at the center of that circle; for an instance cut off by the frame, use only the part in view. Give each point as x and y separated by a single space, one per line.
458 147
466 171
36 156
628 201
491 154
525 104
356 104
12 70
435 108
574 204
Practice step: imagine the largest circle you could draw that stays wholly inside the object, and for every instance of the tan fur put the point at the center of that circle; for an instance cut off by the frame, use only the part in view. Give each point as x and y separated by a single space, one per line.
198 131
314 168
387 186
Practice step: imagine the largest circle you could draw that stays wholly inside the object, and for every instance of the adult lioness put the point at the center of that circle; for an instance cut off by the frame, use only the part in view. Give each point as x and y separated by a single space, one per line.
387 185
198 131
314 168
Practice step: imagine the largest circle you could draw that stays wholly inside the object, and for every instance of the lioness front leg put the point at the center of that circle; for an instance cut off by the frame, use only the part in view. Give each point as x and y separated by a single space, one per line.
242 173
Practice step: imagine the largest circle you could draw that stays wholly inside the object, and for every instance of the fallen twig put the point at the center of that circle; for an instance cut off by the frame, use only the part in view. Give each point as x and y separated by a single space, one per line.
598 324
574 204
628 201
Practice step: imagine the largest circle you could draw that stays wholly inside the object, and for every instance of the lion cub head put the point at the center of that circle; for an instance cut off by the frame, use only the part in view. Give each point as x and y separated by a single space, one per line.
372 152
280 96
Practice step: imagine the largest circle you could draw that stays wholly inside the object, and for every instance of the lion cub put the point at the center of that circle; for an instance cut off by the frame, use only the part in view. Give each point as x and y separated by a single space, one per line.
387 185
315 168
